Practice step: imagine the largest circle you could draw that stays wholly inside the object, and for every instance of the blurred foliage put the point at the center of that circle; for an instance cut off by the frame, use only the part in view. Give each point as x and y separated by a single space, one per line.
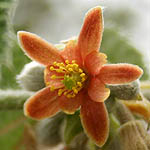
114 16
11 122
8 74
11 127
12 59
119 50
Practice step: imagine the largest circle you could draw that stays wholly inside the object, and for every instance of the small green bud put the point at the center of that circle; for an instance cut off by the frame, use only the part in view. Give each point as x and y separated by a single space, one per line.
32 77
130 91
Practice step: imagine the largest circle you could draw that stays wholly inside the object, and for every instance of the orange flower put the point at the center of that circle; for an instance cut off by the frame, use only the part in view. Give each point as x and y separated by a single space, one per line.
76 76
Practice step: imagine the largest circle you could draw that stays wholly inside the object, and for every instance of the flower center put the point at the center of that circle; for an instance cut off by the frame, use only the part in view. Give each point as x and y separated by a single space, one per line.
72 77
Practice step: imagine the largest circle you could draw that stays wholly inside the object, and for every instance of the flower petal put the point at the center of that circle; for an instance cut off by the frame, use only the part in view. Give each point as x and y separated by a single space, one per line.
94 118
70 105
42 105
119 73
97 90
94 62
56 83
91 33
139 107
70 52
38 49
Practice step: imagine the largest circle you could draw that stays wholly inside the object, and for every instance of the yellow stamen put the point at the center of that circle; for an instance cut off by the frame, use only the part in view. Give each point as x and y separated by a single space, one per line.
70 69
83 79
79 83
52 88
72 77
80 70
82 75
67 61
73 61
56 77
55 63
52 68
60 91
75 90
62 64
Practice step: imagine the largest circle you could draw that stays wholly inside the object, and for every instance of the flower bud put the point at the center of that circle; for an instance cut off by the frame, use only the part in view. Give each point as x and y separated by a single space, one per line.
132 135
130 91
123 113
141 108
32 77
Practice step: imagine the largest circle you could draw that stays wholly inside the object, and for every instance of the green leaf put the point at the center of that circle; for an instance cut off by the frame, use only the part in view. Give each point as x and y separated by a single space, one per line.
114 126
73 127
119 50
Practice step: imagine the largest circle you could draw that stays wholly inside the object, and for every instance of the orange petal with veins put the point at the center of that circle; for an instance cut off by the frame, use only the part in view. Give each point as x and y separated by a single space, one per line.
91 33
38 49
97 90
139 107
70 105
94 118
94 61
57 83
119 73
42 105
70 52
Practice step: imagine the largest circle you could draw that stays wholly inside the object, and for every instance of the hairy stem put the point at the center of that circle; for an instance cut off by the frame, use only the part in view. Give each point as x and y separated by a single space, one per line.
13 99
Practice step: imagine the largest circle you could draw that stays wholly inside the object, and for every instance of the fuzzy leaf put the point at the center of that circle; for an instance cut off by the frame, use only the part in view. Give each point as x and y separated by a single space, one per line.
129 91
131 136
31 77
73 127
48 130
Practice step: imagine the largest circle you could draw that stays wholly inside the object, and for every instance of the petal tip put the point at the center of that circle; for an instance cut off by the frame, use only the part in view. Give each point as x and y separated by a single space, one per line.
95 121
96 8
138 72
20 35
95 11
91 32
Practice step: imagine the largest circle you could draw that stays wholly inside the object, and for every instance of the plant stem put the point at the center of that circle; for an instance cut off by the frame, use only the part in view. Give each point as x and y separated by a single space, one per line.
13 99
